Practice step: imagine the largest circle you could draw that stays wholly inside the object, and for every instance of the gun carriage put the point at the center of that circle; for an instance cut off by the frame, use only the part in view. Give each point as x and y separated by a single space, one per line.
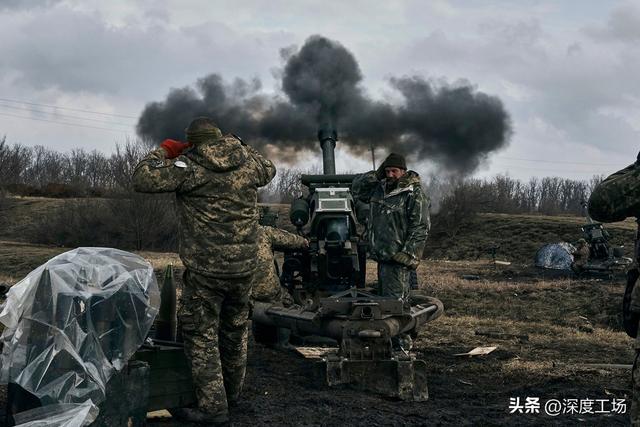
327 282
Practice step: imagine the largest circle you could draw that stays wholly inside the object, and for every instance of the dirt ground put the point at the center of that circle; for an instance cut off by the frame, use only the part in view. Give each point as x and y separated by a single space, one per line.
549 330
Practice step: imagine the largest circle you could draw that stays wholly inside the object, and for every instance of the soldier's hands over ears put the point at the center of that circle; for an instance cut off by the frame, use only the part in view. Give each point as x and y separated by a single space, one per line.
174 148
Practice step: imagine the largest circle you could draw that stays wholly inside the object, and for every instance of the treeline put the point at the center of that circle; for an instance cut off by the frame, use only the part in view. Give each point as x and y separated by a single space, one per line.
503 194
101 208
41 171
456 201
500 194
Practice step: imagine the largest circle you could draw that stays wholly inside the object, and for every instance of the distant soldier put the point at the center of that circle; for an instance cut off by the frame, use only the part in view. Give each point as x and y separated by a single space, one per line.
580 256
215 178
615 199
398 222
266 283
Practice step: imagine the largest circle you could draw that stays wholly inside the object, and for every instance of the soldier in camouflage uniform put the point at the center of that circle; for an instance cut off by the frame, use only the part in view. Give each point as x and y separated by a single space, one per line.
580 256
266 283
215 178
615 199
398 222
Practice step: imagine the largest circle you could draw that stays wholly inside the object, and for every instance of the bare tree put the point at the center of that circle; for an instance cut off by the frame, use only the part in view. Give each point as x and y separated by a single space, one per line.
14 161
98 171
286 186
42 171
123 163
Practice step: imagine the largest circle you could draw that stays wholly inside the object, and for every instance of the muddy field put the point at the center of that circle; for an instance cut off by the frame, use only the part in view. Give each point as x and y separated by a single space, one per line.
550 332
559 326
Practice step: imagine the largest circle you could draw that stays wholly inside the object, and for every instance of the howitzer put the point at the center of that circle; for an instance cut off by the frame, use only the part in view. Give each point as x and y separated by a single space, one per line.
327 282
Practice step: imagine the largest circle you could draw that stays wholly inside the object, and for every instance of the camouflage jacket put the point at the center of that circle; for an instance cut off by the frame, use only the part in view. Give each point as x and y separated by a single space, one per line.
266 283
399 220
617 197
216 186
614 199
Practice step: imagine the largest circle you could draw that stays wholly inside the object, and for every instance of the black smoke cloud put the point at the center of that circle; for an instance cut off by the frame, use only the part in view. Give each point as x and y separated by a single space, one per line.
451 124
323 77
454 125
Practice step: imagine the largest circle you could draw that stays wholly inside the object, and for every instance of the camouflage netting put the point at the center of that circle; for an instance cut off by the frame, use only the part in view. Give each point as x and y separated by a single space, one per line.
70 324
555 256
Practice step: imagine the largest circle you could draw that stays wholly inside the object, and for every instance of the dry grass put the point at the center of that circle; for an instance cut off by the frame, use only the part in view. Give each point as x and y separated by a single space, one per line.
17 259
522 293
18 213
518 237
567 321
160 260
547 330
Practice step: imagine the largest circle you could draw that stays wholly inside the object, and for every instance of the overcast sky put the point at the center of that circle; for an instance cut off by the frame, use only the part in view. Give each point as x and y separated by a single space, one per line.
566 71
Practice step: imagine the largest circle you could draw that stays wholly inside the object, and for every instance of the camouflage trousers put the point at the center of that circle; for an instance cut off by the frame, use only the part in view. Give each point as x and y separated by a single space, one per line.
266 291
393 280
635 398
214 315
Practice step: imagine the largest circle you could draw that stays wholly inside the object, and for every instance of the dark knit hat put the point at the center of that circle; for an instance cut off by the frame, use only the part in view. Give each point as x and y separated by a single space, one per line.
395 160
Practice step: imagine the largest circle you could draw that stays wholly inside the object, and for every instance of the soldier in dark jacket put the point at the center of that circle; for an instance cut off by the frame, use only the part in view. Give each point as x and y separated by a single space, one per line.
614 199
215 178
398 222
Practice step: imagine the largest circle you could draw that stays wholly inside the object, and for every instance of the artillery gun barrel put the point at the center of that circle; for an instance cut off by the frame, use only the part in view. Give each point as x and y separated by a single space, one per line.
328 137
